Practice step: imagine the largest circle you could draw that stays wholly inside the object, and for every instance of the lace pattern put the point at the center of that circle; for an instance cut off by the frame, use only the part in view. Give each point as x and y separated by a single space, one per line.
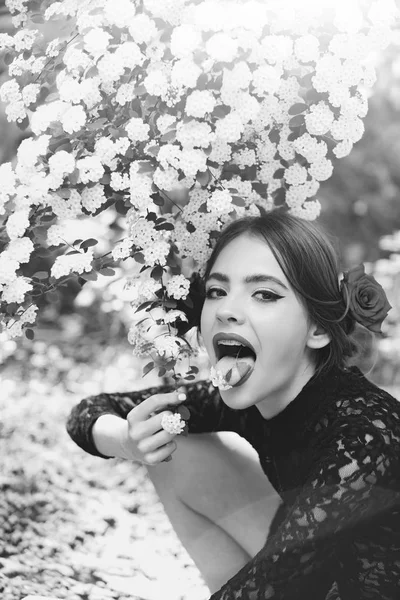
334 457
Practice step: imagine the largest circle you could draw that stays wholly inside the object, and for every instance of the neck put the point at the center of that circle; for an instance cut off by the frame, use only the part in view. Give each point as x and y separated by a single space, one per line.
283 395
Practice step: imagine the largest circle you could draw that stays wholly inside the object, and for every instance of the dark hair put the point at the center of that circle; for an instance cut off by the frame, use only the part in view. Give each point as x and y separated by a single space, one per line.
310 263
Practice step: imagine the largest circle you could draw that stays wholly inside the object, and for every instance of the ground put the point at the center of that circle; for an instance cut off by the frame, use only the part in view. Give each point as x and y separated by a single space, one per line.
73 525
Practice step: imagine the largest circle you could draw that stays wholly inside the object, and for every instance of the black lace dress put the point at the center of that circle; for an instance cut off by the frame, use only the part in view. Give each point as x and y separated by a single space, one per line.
333 455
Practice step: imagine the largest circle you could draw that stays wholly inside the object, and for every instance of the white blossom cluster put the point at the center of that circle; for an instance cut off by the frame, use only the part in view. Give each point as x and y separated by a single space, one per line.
173 423
159 122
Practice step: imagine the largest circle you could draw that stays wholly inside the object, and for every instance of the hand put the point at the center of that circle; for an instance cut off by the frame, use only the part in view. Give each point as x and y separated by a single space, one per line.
145 440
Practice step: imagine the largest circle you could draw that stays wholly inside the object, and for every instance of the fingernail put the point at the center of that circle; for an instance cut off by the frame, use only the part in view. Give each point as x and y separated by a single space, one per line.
181 396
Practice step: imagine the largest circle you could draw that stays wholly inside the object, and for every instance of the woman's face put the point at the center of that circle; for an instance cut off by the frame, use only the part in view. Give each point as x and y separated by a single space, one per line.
241 299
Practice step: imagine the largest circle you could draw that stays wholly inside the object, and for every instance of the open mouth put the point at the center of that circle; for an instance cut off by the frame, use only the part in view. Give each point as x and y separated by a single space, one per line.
235 358
234 349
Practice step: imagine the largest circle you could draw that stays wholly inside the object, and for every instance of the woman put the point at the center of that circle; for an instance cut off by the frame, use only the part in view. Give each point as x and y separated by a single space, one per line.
308 506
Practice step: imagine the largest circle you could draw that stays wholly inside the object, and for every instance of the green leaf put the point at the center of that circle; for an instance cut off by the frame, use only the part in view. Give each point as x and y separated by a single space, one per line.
88 243
279 174
147 368
72 252
306 81
293 136
279 196
154 150
48 218
97 124
167 137
190 377
24 124
145 305
238 201
157 199
30 334
221 111
107 271
296 121
44 92
64 193
38 18
8 58
157 272
140 90
11 308
145 166
212 163
166 226
139 258
121 208
204 178
184 412
298 108
41 275
260 188
43 252
161 372
76 242
92 276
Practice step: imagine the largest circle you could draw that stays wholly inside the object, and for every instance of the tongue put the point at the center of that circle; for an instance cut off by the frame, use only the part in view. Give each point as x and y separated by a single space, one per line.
234 370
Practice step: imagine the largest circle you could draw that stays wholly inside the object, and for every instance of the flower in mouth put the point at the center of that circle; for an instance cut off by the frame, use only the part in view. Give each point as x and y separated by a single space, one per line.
218 379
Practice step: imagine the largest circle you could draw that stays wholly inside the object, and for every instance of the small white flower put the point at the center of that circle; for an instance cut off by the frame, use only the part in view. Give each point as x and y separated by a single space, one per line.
221 47
20 249
17 223
296 175
168 346
16 290
185 39
73 119
178 287
72 263
96 41
218 380
220 202
137 129
172 423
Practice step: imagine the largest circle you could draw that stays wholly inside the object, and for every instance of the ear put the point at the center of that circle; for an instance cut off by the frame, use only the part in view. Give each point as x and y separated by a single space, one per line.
317 337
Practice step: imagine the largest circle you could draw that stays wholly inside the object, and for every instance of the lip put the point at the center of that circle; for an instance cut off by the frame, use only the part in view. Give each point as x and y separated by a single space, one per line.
231 336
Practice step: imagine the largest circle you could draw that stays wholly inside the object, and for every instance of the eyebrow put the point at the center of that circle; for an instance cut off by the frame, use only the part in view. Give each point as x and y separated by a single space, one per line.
257 278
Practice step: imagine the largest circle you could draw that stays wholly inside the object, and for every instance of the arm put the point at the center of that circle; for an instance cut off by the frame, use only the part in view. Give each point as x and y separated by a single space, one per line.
350 495
207 413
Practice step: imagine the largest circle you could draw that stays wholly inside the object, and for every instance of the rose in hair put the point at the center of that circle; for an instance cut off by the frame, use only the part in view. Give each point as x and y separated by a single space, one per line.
366 298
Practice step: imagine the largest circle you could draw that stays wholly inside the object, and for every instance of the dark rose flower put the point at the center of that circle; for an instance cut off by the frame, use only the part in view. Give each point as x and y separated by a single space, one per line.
369 305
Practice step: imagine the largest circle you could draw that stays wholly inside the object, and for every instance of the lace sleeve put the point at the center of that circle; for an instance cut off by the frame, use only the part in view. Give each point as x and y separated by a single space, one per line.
340 535
207 411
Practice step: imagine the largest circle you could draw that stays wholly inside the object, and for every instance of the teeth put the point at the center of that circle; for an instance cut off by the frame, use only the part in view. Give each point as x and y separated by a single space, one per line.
229 343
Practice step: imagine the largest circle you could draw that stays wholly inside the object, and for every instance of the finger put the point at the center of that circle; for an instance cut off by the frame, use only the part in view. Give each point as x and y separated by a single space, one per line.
154 404
154 442
153 458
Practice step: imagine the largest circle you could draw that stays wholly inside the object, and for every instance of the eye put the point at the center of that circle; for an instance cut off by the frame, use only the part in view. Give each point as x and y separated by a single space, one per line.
267 296
214 292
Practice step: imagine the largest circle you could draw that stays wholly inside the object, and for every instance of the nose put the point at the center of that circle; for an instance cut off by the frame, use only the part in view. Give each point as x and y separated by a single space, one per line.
229 312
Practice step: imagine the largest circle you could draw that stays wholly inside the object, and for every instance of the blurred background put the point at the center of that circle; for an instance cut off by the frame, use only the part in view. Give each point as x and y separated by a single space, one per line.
80 348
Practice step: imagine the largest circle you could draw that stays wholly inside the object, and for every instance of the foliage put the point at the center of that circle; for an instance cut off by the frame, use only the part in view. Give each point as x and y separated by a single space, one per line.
182 123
